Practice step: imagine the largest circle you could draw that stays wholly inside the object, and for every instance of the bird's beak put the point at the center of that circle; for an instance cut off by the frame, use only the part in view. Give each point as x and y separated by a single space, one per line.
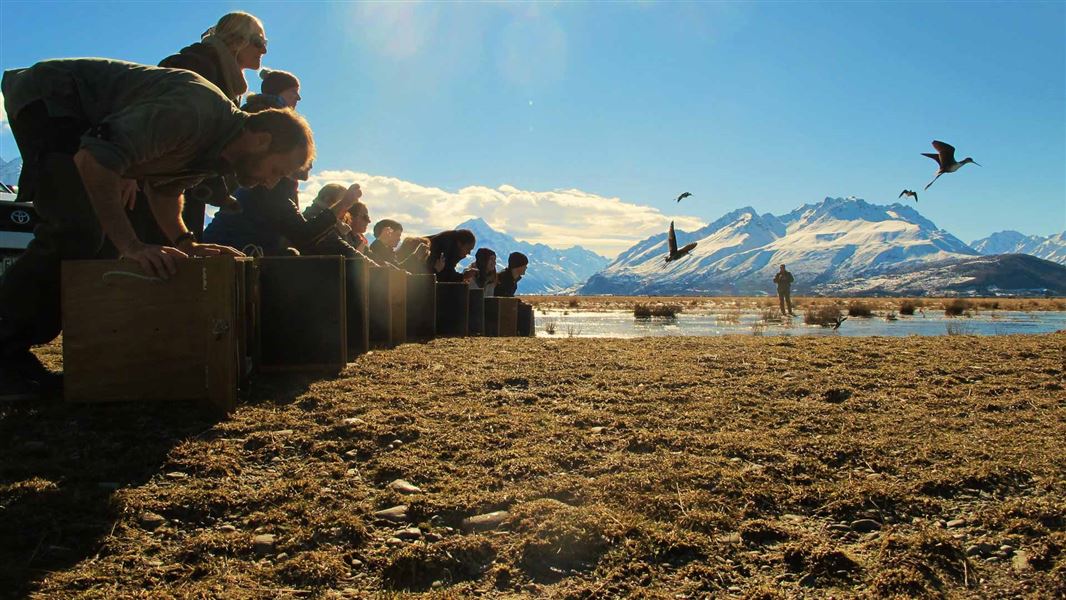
975 162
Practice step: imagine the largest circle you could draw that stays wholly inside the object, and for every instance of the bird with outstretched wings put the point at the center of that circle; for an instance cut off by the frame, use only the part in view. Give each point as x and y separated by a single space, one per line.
683 196
672 241
910 193
945 158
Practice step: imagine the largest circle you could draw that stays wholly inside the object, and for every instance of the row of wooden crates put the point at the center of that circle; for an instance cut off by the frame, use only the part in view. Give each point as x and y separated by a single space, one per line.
203 333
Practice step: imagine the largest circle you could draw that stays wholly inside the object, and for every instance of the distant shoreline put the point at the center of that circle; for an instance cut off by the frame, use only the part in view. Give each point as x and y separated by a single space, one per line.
882 303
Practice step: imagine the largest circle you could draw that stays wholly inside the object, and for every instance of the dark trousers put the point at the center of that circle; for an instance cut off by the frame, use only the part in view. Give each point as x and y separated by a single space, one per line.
68 228
784 296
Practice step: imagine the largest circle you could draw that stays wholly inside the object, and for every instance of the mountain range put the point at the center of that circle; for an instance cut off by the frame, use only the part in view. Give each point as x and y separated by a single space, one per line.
1052 247
550 270
836 246
839 245
9 170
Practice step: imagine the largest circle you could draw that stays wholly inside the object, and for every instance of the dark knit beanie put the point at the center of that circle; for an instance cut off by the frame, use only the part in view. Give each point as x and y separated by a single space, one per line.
276 82
517 259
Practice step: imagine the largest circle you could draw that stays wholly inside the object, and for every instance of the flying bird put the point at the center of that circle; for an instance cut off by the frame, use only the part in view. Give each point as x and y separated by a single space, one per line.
674 252
683 196
839 320
909 193
945 157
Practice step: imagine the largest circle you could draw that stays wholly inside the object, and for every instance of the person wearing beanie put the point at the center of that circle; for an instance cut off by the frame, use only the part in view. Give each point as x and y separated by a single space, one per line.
508 280
280 89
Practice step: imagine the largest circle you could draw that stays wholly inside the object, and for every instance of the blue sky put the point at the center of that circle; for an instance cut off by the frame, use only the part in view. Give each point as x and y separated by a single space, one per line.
771 105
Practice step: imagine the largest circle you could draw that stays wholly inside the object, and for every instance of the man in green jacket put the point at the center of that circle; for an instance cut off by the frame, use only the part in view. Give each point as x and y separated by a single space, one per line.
88 131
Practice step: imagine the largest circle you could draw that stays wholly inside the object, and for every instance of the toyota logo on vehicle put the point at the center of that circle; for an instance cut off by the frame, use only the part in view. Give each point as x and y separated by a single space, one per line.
20 216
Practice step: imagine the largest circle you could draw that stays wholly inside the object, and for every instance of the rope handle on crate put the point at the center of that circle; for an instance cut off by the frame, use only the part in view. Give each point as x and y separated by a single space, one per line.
133 275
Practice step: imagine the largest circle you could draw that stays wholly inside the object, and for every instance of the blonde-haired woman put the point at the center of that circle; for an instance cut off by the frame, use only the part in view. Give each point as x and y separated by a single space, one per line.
237 42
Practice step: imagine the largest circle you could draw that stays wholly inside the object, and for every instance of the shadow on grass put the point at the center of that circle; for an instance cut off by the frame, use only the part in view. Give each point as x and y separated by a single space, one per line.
63 468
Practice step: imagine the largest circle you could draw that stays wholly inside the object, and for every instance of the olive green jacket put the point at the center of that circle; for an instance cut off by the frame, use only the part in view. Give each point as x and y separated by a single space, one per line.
165 127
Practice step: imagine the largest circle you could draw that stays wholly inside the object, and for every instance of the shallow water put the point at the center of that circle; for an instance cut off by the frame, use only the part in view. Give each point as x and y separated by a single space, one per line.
622 324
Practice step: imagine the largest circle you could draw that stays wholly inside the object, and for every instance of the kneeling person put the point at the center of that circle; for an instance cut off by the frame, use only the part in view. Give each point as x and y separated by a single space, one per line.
87 129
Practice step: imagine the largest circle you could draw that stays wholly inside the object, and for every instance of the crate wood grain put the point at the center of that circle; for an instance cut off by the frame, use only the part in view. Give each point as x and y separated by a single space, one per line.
388 307
303 322
527 324
357 297
453 309
476 320
128 336
421 307
501 317
248 321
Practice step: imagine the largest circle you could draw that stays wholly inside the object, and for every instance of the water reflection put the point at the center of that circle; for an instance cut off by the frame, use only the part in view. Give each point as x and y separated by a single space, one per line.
622 324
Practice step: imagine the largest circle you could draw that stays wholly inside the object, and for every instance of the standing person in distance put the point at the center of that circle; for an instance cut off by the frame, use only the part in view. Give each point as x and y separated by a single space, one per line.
784 280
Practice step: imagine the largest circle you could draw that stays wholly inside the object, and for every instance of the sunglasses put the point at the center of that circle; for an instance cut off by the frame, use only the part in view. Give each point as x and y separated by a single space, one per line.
259 42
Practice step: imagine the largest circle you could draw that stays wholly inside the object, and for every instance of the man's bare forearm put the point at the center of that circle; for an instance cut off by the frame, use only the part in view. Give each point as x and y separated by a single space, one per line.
166 208
103 187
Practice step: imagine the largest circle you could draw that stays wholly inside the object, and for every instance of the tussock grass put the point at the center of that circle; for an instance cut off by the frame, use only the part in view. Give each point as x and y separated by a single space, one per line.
907 307
825 315
637 468
550 326
859 308
664 311
758 303
956 307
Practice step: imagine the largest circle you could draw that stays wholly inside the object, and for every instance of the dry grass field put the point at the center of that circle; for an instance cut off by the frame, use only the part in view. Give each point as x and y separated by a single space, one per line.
756 467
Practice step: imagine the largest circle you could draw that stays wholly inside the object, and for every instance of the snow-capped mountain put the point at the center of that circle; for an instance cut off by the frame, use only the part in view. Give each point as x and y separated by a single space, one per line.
974 276
550 270
835 239
9 171
1052 247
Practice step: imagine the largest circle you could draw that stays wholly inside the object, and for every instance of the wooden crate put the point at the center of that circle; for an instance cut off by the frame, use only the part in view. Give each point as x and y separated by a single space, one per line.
128 336
527 324
357 298
248 305
421 307
453 309
388 307
303 322
501 317
476 320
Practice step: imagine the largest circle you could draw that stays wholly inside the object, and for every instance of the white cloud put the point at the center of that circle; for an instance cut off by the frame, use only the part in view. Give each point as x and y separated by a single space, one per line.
559 218
3 115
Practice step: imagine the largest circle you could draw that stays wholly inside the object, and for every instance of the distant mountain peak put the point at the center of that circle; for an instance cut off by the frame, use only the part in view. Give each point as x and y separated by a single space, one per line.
550 270
822 241
476 222
1052 247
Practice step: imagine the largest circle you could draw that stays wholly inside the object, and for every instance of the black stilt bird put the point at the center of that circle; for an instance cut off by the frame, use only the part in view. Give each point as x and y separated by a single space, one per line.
909 193
945 157
683 196
674 252
839 320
